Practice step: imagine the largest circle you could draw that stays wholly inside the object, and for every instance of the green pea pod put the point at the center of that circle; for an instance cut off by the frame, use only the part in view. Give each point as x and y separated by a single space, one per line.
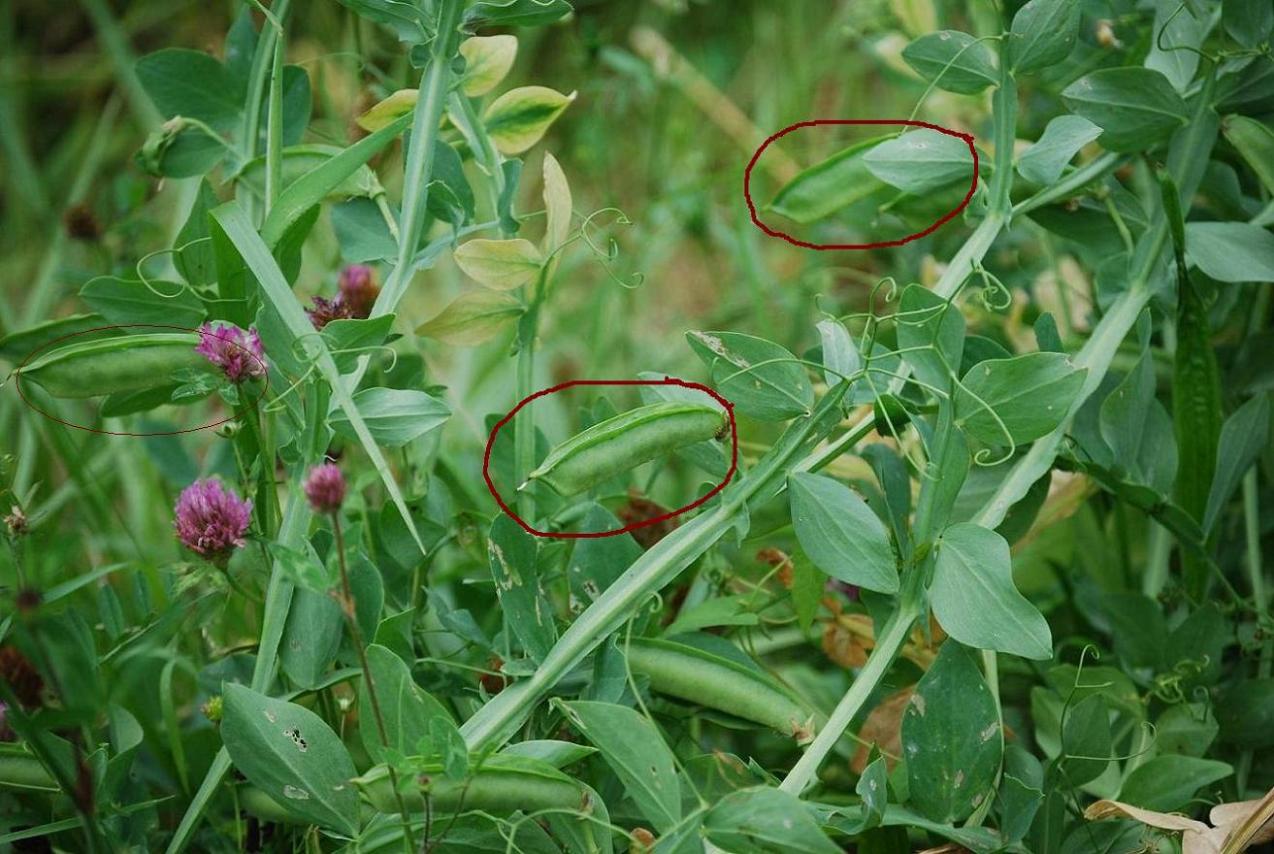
16 346
112 365
1255 142
503 785
626 441
691 674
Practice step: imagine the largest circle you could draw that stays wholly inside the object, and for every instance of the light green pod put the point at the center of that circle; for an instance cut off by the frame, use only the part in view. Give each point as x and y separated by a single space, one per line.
112 365
16 346
626 441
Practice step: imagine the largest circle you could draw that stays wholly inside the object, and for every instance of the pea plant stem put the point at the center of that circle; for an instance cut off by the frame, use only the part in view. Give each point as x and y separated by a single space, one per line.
888 644
431 99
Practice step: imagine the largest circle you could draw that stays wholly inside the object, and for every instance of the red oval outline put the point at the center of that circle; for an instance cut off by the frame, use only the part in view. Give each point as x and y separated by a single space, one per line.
17 380
883 244
572 535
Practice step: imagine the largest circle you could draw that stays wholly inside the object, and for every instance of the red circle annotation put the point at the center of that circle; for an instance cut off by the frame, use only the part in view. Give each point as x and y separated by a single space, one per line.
586 535
882 244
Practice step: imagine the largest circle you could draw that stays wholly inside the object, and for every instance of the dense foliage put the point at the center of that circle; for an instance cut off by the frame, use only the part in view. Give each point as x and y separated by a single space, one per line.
284 569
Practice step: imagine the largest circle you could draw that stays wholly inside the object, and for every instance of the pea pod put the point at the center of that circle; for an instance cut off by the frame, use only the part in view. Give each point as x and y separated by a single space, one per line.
626 441
16 346
689 673
503 785
112 365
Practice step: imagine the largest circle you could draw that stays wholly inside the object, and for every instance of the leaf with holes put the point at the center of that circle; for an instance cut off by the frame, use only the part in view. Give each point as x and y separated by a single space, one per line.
288 752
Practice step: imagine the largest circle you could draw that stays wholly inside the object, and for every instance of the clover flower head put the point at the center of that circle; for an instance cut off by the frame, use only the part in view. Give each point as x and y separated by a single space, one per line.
211 520
358 289
238 353
325 488
324 311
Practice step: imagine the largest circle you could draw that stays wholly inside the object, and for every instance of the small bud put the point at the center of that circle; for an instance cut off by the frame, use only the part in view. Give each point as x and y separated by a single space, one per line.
1105 34
81 223
325 488
27 600
16 521
643 841
213 708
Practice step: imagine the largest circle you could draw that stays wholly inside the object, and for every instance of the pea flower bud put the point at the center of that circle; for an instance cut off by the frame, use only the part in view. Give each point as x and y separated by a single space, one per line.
325 488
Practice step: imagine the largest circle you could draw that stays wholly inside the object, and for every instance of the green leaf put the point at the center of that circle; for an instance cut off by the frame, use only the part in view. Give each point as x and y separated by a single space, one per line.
130 301
974 597
1086 741
194 258
519 118
514 13
473 317
410 22
636 752
1181 32
957 61
1246 715
1169 782
840 356
1062 139
920 161
775 391
312 634
873 789
1248 22
1243 437
487 61
315 185
394 416
1031 394
765 820
192 84
930 335
408 711
1043 33
1135 107
303 568
841 534
349 338
289 753
824 188
1231 251
1138 430
951 738
807 589
500 264
596 562
362 232
512 554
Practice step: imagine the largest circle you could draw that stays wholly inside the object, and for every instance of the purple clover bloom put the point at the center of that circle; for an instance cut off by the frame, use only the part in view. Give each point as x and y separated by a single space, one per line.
358 289
325 488
239 354
211 520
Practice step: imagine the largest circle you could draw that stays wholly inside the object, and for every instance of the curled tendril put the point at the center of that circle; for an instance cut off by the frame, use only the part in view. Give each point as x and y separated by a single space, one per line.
983 457
276 403
991 288
149 284
608 255
1164 29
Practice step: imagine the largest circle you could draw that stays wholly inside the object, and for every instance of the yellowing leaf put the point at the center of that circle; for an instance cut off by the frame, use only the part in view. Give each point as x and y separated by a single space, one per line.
500 264
557 205
395 106
488 59
518 119
472 318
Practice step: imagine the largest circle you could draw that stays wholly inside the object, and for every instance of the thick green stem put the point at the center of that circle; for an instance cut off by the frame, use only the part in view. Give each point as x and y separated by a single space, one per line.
888 645
431 98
